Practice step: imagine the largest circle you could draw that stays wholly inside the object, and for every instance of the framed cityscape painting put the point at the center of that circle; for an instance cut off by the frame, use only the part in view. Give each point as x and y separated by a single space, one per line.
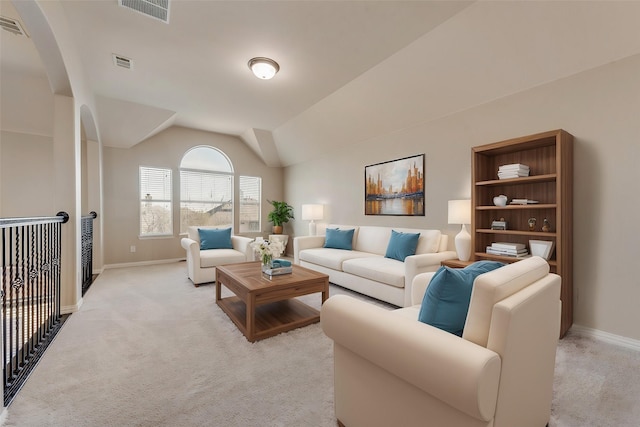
395 187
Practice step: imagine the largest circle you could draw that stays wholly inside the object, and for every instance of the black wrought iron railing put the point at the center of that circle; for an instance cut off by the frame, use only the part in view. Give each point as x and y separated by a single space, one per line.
31 250
87 250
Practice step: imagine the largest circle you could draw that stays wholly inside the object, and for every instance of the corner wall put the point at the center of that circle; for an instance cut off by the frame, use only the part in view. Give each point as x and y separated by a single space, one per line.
599 107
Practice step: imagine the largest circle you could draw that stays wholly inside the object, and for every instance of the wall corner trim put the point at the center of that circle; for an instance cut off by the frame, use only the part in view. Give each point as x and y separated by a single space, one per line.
70 309
607 337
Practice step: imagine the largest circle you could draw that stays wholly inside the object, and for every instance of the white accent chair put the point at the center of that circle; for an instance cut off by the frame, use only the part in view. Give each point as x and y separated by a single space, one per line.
391 369
201 264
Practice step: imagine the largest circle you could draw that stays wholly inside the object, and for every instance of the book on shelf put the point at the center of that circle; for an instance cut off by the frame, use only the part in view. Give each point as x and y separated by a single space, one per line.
523 201
513 166
518 250
508 245
515 170
507 175
514 254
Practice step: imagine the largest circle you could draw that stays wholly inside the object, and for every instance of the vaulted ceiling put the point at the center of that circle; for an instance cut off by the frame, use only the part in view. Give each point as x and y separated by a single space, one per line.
350 70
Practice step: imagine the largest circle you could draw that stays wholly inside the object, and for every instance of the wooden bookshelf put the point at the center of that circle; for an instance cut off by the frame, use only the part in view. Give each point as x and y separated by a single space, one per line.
549 156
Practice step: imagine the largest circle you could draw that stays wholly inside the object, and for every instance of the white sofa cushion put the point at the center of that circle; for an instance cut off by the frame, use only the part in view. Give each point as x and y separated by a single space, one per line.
380 269
331 258
215 257
429 241
373 239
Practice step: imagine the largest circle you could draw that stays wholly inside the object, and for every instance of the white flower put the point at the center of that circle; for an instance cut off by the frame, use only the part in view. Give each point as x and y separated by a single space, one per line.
268 249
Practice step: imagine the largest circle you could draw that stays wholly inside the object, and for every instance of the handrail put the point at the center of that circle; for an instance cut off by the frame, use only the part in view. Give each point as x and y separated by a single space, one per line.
91 214
61 216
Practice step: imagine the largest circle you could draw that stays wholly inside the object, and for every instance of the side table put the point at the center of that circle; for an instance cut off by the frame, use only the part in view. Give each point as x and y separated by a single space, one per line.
456 263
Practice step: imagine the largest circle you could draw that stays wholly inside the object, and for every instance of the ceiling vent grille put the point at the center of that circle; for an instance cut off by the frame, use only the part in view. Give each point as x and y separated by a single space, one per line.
12 25
123 62
157 9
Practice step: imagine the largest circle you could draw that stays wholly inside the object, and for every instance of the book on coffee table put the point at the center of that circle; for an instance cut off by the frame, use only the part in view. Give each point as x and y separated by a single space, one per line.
277 271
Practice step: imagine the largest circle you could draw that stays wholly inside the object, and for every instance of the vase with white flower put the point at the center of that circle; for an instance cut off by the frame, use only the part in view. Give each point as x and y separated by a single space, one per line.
267 251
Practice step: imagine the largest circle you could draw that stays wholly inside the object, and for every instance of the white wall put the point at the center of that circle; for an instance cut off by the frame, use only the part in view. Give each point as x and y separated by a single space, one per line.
26 103
26 175
26 123
121 197
599 107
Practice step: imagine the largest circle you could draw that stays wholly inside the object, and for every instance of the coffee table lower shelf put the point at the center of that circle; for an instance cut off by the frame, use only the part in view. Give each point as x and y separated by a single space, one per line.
270 319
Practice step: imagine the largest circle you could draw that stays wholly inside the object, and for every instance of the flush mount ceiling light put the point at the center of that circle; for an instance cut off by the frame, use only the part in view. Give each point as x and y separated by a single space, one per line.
264 68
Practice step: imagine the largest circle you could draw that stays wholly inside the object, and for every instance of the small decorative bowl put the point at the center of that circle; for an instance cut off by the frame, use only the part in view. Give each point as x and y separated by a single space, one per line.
500 200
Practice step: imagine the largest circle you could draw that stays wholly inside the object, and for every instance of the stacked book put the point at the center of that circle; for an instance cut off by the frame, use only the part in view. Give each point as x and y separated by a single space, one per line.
518 250
523 201
514 170
277 268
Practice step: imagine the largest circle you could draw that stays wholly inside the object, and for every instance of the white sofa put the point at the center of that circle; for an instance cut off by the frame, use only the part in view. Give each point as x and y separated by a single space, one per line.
201 264
365 269
391 369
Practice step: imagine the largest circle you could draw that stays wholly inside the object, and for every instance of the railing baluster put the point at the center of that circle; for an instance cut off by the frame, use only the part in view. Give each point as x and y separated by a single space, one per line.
31 250
87 250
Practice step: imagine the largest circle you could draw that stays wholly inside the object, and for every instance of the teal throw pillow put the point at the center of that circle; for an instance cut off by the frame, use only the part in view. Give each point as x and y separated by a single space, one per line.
338 239
401 245
215 238
446 302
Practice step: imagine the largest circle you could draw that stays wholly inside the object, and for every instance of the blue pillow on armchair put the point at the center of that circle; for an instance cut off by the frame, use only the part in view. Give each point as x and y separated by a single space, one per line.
215 238
446 301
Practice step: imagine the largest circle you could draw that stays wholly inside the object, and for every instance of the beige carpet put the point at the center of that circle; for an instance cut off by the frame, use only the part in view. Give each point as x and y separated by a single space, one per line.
147 348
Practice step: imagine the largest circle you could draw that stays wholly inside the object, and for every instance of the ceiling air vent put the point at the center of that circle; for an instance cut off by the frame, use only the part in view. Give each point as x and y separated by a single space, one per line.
123 62
158 9
12 25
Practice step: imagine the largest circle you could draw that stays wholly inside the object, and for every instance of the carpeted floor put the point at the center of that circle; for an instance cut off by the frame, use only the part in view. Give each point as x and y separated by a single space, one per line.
596 384
147 348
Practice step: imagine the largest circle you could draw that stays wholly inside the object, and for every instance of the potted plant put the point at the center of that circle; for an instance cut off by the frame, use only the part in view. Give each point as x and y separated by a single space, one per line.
282 212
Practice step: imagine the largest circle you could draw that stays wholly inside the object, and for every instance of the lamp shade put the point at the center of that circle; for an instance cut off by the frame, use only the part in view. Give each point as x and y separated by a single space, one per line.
459 211
312 212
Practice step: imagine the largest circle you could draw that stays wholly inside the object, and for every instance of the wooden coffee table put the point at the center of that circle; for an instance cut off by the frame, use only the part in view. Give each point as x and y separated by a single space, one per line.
263 307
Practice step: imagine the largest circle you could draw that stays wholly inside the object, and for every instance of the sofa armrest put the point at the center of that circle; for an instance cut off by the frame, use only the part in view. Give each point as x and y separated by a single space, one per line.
445 366
193 256
191 246
305 242
422 263
242 244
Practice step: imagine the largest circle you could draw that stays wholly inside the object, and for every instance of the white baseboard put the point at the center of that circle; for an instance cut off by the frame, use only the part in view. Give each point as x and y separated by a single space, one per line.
68 309
606 337
141 263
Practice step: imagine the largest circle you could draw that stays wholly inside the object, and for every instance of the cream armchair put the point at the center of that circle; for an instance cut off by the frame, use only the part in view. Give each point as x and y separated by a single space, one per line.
201 264
391 369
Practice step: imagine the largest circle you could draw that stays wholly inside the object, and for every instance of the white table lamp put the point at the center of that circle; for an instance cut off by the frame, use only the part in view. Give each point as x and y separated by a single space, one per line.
460 213
312 213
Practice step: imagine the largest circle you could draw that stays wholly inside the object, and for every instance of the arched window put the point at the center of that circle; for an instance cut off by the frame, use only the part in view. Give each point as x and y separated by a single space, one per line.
206 188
